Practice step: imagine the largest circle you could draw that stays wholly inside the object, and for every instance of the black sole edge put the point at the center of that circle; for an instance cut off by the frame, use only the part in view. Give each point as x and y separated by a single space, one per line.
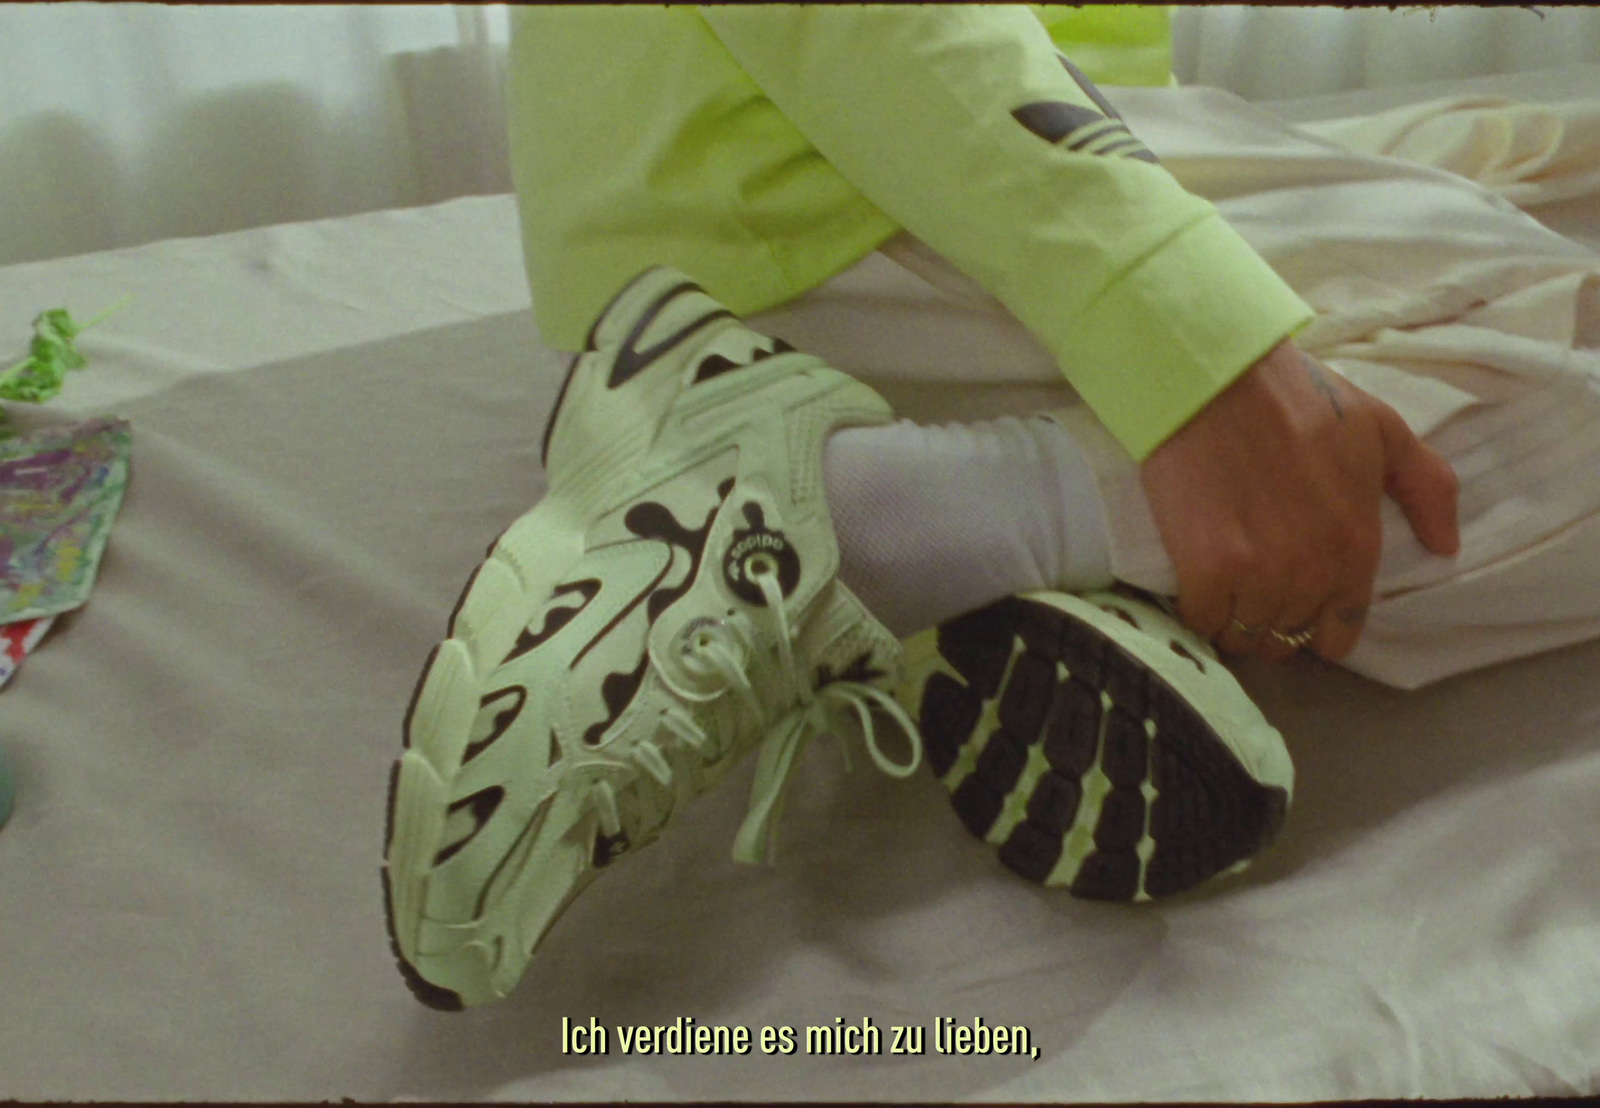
434 996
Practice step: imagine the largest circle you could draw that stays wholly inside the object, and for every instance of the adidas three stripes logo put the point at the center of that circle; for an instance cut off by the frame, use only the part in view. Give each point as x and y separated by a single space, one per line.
1081 128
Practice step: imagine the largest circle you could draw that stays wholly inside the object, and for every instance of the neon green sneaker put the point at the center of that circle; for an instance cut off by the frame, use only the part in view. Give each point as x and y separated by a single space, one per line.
1098 743
670 605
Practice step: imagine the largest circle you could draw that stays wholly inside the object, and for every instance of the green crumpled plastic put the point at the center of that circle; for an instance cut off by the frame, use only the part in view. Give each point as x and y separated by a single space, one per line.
40 375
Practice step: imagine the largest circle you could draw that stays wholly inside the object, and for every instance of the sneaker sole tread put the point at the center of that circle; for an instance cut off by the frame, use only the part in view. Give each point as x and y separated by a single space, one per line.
1081 762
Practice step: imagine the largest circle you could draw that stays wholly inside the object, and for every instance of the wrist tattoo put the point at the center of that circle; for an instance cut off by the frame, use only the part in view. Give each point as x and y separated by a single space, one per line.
1320 377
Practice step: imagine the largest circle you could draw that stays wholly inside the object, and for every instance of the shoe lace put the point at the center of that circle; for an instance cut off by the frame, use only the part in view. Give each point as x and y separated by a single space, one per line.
790 719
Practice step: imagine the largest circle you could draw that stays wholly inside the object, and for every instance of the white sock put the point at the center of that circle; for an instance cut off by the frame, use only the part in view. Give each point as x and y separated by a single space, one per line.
936 521
1137 554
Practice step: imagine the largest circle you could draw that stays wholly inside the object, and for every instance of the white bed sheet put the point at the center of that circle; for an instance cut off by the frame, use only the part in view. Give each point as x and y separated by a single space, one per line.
331 422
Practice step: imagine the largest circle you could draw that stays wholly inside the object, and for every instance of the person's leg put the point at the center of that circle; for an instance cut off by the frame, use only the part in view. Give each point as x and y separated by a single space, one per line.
1474 323
644 626
1079 784
1077 734
674 603
936 520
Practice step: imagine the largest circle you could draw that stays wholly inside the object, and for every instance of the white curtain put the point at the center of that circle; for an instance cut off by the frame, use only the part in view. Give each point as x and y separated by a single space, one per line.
126 123
1282 53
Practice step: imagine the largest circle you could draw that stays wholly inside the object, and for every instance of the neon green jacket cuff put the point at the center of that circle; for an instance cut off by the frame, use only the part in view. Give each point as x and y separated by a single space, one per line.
1169 335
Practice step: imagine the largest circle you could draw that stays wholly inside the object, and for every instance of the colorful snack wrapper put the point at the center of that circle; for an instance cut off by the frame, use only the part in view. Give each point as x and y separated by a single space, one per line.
60 488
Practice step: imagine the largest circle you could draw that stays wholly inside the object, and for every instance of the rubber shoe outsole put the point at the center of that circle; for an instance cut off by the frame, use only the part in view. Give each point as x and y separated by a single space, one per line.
1109 761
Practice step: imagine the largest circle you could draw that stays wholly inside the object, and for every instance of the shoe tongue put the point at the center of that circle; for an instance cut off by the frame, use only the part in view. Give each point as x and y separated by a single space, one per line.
842 641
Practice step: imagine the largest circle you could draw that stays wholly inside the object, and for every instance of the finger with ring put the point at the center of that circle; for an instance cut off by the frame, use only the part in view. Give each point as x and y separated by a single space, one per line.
1296 639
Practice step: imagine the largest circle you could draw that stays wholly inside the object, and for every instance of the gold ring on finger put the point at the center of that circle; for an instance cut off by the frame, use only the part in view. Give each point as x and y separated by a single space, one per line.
1296 639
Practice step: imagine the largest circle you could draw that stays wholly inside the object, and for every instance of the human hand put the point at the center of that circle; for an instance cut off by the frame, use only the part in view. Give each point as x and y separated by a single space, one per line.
1268 501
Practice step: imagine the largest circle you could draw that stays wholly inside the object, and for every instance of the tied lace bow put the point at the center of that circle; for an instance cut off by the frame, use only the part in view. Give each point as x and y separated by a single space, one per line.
809 712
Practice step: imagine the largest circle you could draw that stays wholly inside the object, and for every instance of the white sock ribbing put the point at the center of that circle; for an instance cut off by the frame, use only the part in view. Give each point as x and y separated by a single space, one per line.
936 521
1138 555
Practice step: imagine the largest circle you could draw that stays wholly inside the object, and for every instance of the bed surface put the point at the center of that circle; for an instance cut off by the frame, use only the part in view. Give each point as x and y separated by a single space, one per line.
331 422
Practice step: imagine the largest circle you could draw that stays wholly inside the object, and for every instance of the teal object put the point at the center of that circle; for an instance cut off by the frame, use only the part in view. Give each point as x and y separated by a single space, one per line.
8 789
